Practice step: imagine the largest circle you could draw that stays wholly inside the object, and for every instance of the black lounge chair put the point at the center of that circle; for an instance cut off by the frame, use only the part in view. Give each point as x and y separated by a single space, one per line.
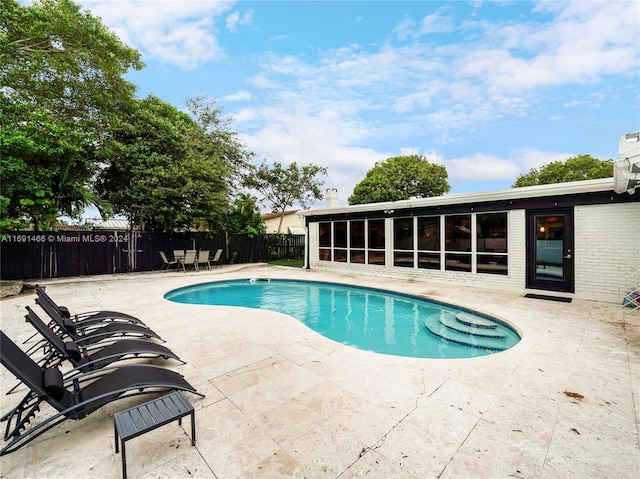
93 333
87 358
89 391
87 318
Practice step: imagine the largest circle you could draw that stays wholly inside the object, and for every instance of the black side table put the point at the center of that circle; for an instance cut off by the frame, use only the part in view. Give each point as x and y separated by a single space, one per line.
151 415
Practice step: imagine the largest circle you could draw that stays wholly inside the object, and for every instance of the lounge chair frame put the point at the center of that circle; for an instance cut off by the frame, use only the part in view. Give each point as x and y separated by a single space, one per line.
92 333
87 318
93 356
127 381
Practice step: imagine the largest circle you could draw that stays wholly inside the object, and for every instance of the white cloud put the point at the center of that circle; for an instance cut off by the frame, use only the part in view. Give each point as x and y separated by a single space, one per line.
238 96
232 21
278 38
405 29
181 33
485 167
481 167
235 19
585 42
438 22
292 135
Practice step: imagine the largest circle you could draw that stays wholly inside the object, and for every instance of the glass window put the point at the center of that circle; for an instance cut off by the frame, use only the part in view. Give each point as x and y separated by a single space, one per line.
429 233
417 242
376 257
429 260
376 234
403 259
550 248
324 254
458 262
357 234
356 256
458 233
403 233
340 234
340 255
491 243
492 264
324 231
491 232
324 241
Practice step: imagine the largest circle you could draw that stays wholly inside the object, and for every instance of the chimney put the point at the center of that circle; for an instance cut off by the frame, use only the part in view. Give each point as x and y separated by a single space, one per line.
331 199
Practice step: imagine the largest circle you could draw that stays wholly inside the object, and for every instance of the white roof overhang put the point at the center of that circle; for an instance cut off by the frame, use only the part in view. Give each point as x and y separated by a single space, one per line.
541 191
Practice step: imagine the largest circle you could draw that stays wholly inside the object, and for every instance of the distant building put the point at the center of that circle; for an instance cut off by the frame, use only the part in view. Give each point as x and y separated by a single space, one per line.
291 224
112 224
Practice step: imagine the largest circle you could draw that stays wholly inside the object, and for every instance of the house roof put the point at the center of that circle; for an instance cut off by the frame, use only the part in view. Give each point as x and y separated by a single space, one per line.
571 188
268 216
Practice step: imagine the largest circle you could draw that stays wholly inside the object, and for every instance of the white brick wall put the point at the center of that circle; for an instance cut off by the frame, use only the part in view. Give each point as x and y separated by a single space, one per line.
313 244
607 250
607 255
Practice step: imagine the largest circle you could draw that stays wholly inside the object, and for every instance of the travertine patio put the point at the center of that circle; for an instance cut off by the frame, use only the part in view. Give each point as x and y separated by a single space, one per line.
283 401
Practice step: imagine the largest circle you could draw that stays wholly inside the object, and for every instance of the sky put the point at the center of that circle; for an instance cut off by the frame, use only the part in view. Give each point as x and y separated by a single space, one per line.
489 89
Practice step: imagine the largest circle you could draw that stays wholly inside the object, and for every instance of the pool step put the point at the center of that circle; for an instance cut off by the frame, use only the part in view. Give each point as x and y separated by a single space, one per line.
449 327
454 323
474 321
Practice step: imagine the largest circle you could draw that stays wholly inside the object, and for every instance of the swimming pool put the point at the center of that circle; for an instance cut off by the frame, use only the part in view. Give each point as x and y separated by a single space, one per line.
364 318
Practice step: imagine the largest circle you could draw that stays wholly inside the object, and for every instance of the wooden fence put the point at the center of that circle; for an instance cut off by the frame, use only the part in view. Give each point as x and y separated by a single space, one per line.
246 248
34 255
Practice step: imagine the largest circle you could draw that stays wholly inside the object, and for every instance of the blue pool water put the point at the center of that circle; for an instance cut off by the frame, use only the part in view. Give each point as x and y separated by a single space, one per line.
364 318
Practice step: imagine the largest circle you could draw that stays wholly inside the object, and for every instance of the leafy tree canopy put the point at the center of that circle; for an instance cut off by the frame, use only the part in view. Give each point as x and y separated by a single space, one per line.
283 187
244 216
57 55
169 171
62 91
401 178
576 168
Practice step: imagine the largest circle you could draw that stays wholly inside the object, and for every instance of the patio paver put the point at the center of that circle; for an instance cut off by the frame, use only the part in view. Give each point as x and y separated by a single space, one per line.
283 401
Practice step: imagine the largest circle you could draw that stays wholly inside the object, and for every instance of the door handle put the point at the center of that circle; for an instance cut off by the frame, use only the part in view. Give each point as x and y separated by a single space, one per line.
568 256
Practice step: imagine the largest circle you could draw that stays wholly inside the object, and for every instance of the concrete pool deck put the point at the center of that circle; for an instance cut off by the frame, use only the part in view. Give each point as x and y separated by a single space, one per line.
283 401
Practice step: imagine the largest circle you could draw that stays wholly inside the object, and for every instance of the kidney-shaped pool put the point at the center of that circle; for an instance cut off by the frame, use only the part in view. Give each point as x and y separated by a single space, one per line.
365 318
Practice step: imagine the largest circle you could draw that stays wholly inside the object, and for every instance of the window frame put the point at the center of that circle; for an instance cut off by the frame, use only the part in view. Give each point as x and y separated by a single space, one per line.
459 244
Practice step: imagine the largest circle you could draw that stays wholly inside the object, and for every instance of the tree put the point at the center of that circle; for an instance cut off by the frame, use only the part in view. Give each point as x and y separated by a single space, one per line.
283 187
576 168
168 171
244 216
62 92
401 178
219 133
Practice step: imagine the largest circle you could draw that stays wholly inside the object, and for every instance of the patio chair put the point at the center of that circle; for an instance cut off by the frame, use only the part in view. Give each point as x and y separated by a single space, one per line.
89 391
178 254
167 263
189 259
93 333
217 258
91 357
203 258
88 317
